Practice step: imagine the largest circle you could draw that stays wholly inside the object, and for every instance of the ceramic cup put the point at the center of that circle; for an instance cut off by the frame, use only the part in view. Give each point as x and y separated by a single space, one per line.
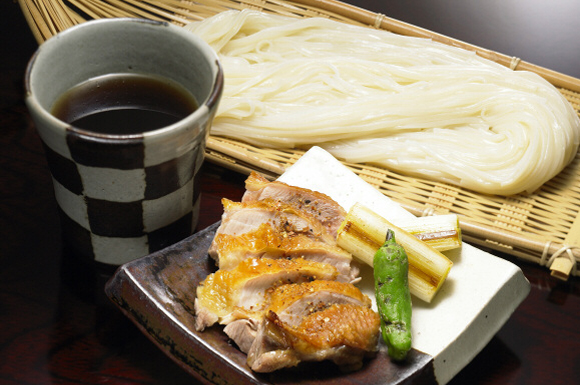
124 196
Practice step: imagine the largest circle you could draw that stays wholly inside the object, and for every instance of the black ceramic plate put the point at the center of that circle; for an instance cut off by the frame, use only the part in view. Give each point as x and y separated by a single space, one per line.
157 292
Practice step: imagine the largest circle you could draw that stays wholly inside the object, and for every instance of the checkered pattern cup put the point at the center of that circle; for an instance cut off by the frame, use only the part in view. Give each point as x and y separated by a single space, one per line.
124 196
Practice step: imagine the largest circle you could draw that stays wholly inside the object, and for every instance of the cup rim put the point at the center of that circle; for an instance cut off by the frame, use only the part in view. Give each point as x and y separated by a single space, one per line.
203 109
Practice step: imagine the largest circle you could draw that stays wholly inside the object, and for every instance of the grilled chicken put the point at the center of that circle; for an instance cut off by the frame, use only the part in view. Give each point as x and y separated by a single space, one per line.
240 218
227 295
293 302
319 205
266 242
342 333
284 289
315 321
293 307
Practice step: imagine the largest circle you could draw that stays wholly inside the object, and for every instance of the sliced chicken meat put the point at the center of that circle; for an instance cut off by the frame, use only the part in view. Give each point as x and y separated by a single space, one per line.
243 217
319 205
293 302
315 321
342 333
266 242
284 289
227 295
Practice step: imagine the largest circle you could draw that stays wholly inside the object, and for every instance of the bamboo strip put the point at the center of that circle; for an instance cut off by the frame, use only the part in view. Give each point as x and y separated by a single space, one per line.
39 29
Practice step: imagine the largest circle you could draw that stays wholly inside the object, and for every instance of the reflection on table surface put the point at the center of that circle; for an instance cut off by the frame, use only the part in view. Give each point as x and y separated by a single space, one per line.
53 331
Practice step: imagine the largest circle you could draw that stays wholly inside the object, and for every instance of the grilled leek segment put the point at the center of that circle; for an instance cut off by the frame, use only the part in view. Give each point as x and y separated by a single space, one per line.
363 232
441 232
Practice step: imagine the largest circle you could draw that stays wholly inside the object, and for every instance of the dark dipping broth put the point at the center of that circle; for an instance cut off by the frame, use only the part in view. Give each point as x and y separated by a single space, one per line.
124 104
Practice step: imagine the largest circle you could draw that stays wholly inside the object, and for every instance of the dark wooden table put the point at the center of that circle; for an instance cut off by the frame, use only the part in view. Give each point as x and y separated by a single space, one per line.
51 332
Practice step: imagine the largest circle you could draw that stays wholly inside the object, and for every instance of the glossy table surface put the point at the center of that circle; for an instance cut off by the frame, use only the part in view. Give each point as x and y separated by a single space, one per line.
53 332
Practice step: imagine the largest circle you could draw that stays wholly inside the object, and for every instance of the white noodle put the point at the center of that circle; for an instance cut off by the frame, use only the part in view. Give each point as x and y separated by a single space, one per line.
408 104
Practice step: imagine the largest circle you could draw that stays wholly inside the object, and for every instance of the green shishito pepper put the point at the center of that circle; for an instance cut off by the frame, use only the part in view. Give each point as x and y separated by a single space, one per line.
391 268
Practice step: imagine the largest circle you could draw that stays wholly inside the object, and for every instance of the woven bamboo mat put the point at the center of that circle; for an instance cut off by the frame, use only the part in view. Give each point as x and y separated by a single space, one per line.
543 228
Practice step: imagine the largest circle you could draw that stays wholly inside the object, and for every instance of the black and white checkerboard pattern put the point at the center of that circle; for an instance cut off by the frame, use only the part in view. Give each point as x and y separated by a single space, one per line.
120 202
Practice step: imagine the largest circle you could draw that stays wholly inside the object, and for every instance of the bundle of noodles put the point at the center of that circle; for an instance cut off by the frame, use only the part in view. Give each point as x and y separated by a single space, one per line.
408 104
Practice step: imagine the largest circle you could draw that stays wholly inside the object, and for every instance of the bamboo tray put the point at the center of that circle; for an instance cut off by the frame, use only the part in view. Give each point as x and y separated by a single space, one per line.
543 228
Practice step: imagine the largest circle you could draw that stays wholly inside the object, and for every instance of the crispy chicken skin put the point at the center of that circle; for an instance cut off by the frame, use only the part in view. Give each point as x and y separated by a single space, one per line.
244 217
342 333
227 295
266 242
292 303
315 321
319 205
